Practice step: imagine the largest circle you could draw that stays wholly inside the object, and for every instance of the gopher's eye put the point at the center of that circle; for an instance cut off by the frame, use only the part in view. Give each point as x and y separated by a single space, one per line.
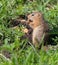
32 14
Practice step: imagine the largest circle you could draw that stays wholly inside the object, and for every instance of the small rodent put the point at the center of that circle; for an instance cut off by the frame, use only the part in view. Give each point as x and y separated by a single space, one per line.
39 26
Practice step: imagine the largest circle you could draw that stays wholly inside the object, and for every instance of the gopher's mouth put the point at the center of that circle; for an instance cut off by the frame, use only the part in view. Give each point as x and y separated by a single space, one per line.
30 20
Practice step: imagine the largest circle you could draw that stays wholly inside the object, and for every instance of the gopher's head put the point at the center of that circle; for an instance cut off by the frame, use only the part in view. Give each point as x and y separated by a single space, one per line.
35 19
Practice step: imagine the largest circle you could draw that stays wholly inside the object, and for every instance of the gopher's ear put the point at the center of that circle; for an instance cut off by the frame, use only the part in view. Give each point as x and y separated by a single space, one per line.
40 14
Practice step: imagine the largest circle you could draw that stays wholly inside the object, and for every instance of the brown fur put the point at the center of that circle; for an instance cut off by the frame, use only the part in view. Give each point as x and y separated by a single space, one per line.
39 26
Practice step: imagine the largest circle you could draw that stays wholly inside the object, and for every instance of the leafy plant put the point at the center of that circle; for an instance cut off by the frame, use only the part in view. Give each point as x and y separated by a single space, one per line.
22 53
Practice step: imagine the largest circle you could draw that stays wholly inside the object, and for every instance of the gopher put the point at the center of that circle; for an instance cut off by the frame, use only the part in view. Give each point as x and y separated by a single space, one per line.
40 28
36 28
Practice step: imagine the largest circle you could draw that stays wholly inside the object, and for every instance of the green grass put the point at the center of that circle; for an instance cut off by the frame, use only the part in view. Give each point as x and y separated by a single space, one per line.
21 53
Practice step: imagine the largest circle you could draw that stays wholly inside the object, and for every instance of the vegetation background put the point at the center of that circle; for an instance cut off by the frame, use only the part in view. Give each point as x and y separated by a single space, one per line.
10 44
